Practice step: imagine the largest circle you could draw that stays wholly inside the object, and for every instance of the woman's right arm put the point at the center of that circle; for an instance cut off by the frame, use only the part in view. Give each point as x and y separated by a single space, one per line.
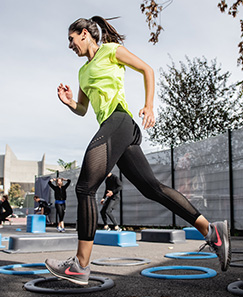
66 96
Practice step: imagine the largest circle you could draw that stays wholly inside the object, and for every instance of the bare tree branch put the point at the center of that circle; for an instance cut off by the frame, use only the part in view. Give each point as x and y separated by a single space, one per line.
152 11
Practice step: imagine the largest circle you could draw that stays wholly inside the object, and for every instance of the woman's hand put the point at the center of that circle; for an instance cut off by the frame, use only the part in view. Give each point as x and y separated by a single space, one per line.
109 193
129 59
148 117
65 94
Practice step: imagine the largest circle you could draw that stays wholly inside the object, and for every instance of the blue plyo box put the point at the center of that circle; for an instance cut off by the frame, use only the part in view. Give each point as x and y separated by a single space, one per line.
1 246
193 233
36 224
114 238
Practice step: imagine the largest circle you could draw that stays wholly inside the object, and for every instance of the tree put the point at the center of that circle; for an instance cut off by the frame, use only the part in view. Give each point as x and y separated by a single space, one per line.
197 102
16 195
152 11
233 10
64 165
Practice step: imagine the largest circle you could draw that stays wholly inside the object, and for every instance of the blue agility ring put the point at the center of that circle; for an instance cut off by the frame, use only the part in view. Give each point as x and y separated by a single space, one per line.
6 269
195 255
149 272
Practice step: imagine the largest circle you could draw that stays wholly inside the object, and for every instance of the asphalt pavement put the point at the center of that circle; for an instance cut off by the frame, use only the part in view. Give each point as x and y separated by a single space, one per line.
128 281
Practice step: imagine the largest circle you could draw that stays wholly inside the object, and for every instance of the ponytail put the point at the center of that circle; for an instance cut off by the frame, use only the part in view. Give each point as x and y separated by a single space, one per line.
109 33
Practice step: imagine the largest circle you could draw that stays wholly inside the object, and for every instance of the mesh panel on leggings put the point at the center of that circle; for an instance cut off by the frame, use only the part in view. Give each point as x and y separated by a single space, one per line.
87 218
182 203
93 171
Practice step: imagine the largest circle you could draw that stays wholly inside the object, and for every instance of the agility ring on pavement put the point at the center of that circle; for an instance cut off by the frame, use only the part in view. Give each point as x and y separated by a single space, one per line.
233 263
209 272
138 261
236 288
107 283
191 255
6 269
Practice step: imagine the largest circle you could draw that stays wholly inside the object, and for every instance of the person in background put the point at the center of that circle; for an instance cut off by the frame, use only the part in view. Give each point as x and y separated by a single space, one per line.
60 199
110 200
43 207
4 204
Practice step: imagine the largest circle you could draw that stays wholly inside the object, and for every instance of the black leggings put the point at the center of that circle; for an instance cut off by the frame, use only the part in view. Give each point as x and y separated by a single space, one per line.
118 142
60 208
8 211
109 205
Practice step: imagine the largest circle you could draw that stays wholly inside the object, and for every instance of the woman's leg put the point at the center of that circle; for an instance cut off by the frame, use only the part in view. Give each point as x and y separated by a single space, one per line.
103 213
58 210
136 168
62 214
112 204
102 154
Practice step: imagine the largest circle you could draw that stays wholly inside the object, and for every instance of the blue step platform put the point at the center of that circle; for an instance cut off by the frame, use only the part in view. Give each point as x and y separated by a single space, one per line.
36 224
163 235
1 246
114 238
193 233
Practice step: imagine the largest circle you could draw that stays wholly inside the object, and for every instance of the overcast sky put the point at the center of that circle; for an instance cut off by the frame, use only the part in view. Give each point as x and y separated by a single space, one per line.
34 59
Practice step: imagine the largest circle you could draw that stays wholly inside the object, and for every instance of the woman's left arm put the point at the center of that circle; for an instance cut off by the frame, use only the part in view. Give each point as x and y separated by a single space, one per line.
127 58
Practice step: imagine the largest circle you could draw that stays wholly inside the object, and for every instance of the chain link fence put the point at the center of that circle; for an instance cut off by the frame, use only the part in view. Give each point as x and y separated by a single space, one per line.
209 173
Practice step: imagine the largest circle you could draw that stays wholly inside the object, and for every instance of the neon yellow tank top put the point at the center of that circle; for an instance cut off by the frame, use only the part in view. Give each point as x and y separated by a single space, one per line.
102 81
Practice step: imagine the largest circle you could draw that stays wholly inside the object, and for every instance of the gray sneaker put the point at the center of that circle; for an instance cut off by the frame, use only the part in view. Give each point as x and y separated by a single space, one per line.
69 270
219 241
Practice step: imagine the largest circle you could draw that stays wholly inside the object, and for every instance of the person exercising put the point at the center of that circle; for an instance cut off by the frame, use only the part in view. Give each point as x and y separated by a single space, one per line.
60 199
4 204
110 200
101 83
43 207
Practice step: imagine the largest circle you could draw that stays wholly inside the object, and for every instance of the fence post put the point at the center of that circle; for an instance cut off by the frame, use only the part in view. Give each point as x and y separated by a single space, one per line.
172 180
231 190
121 201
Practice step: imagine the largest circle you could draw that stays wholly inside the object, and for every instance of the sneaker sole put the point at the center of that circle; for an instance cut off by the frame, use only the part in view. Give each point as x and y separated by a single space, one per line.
83 283
224 268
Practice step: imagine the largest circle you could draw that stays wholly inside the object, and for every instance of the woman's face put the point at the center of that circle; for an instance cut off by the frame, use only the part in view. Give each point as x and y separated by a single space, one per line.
59 182
77 43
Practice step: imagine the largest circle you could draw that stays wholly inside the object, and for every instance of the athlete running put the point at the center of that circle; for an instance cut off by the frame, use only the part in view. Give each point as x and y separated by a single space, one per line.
101 83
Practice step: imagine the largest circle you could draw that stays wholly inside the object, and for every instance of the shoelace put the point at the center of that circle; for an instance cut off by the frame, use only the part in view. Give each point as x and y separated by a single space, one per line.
71 259
212 247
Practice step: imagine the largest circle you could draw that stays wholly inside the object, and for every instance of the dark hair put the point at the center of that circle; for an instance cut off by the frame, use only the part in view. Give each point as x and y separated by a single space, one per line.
5 197
109 33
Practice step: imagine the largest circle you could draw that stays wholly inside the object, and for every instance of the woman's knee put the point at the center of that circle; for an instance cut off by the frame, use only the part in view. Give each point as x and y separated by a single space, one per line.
102 211
83 190
109 210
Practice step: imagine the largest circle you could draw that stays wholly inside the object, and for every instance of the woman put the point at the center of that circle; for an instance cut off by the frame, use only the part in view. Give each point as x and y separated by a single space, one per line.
4 204
110 200
60 199
101 81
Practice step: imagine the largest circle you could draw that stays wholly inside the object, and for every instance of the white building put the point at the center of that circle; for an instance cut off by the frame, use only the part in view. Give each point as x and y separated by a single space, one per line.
14 171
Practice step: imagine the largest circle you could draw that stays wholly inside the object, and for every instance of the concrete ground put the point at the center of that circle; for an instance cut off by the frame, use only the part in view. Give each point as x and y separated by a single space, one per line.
128 280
